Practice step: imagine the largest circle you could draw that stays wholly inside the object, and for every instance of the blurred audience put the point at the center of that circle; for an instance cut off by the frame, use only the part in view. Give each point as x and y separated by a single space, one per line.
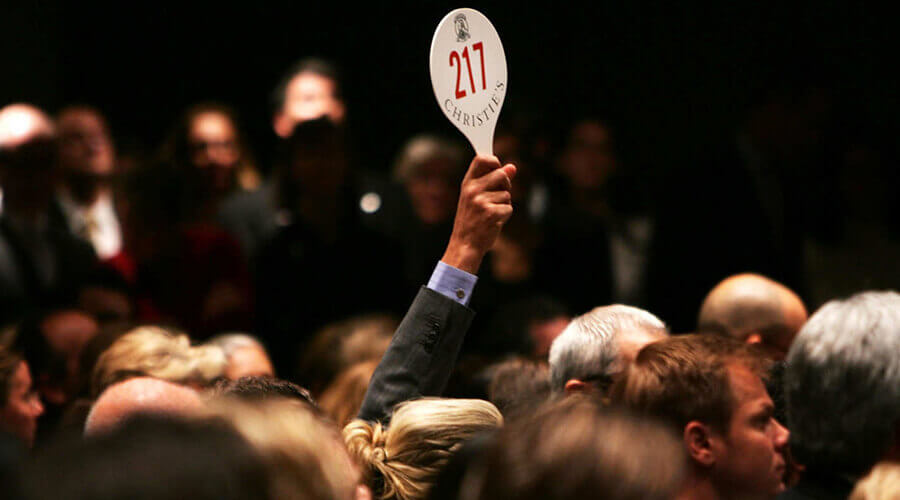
304 454
87 158
882 483
342 398
246 356
21 403
753 309
573 449
340 345
140 396
207 145
155 352
150 457
40 266
519 386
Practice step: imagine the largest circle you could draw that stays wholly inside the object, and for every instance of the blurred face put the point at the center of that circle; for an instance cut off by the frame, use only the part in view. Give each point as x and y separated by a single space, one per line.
85 146
213 148
589 158
318 170
249 362
508 149
66 332
308 96
433 189
20 413
750 459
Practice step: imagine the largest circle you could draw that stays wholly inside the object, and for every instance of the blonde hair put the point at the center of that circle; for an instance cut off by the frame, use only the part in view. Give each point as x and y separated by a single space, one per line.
883 483
403 460
342 399
304 456
151 351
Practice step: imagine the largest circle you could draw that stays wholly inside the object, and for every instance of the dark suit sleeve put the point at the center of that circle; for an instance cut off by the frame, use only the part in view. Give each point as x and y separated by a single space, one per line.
421 355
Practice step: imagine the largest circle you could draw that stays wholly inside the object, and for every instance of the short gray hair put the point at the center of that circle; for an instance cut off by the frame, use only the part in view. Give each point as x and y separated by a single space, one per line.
589 347
842 382
231 342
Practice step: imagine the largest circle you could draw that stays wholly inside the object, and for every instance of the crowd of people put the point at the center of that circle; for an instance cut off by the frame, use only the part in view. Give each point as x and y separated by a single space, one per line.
194 324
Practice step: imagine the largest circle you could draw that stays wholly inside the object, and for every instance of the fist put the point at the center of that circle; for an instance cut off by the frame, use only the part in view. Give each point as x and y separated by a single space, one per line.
485 204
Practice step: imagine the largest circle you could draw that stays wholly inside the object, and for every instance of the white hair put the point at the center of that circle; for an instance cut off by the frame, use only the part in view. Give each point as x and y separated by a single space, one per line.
842 382
231 342
589 344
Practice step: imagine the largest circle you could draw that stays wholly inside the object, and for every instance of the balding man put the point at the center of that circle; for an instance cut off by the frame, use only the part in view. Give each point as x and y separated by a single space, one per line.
600 344
39 266
753 309
140 396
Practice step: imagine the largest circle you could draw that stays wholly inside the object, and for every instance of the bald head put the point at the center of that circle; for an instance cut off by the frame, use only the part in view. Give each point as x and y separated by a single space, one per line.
753 309
140 395
22 123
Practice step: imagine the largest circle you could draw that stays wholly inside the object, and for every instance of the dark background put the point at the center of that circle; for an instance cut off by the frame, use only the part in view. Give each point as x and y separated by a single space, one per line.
676 75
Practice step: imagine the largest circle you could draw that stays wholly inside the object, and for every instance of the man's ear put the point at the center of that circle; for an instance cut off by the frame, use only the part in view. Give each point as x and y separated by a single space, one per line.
282 125
575 386
698 443
338 112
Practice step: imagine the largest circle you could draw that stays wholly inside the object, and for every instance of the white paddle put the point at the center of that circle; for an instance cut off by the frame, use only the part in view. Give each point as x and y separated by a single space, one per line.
468 74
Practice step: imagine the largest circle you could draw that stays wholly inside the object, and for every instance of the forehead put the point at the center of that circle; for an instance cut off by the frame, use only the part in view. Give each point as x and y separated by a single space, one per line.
309 83
22 378
80 119
747 388
211 122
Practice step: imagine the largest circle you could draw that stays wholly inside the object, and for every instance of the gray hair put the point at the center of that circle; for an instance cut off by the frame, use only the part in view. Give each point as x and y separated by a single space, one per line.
589 345
424 148
231 342
842 382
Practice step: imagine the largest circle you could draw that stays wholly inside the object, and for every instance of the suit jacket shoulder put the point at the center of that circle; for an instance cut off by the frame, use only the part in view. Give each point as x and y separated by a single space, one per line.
421 355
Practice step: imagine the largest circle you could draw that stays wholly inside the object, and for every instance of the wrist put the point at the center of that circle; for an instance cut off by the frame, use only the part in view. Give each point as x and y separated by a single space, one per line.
463 257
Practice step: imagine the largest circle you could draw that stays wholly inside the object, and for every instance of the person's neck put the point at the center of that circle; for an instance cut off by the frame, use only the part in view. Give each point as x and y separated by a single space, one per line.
697 488
592 202
86 190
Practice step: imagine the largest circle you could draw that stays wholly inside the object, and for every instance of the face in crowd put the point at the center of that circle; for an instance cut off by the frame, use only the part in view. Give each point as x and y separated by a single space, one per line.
19 414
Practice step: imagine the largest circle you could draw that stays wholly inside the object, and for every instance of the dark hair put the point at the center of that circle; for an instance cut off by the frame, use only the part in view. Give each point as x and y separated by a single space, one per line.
149 458
261 388
312 65
575 449
519 386
686 378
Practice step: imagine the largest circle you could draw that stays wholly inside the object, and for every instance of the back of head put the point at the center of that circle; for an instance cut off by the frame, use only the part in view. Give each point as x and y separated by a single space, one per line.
304 454
574 449
137 396
753 308
518 386
591 347
159 353
882 483
403 460
258 389
844 364
342 344
685 378
149 458
246 355
342 399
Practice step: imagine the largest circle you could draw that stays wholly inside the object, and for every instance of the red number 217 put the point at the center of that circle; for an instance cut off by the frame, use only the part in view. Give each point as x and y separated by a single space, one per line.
460 93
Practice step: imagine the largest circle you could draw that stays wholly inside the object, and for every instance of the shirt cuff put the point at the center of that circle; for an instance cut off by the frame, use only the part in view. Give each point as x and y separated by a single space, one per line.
454 283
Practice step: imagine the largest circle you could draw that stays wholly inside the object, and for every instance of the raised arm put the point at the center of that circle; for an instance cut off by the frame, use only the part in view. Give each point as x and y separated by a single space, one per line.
426 344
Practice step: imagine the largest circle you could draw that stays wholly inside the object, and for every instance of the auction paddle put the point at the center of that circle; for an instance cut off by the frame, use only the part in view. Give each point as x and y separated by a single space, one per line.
468 74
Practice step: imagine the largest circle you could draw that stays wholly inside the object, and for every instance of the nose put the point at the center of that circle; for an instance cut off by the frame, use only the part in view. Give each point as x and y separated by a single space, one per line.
37 408
781 435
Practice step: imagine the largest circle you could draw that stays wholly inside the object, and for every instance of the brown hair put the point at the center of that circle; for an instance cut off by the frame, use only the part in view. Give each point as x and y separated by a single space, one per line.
342 399
573 448
518 386
9 363
686 378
